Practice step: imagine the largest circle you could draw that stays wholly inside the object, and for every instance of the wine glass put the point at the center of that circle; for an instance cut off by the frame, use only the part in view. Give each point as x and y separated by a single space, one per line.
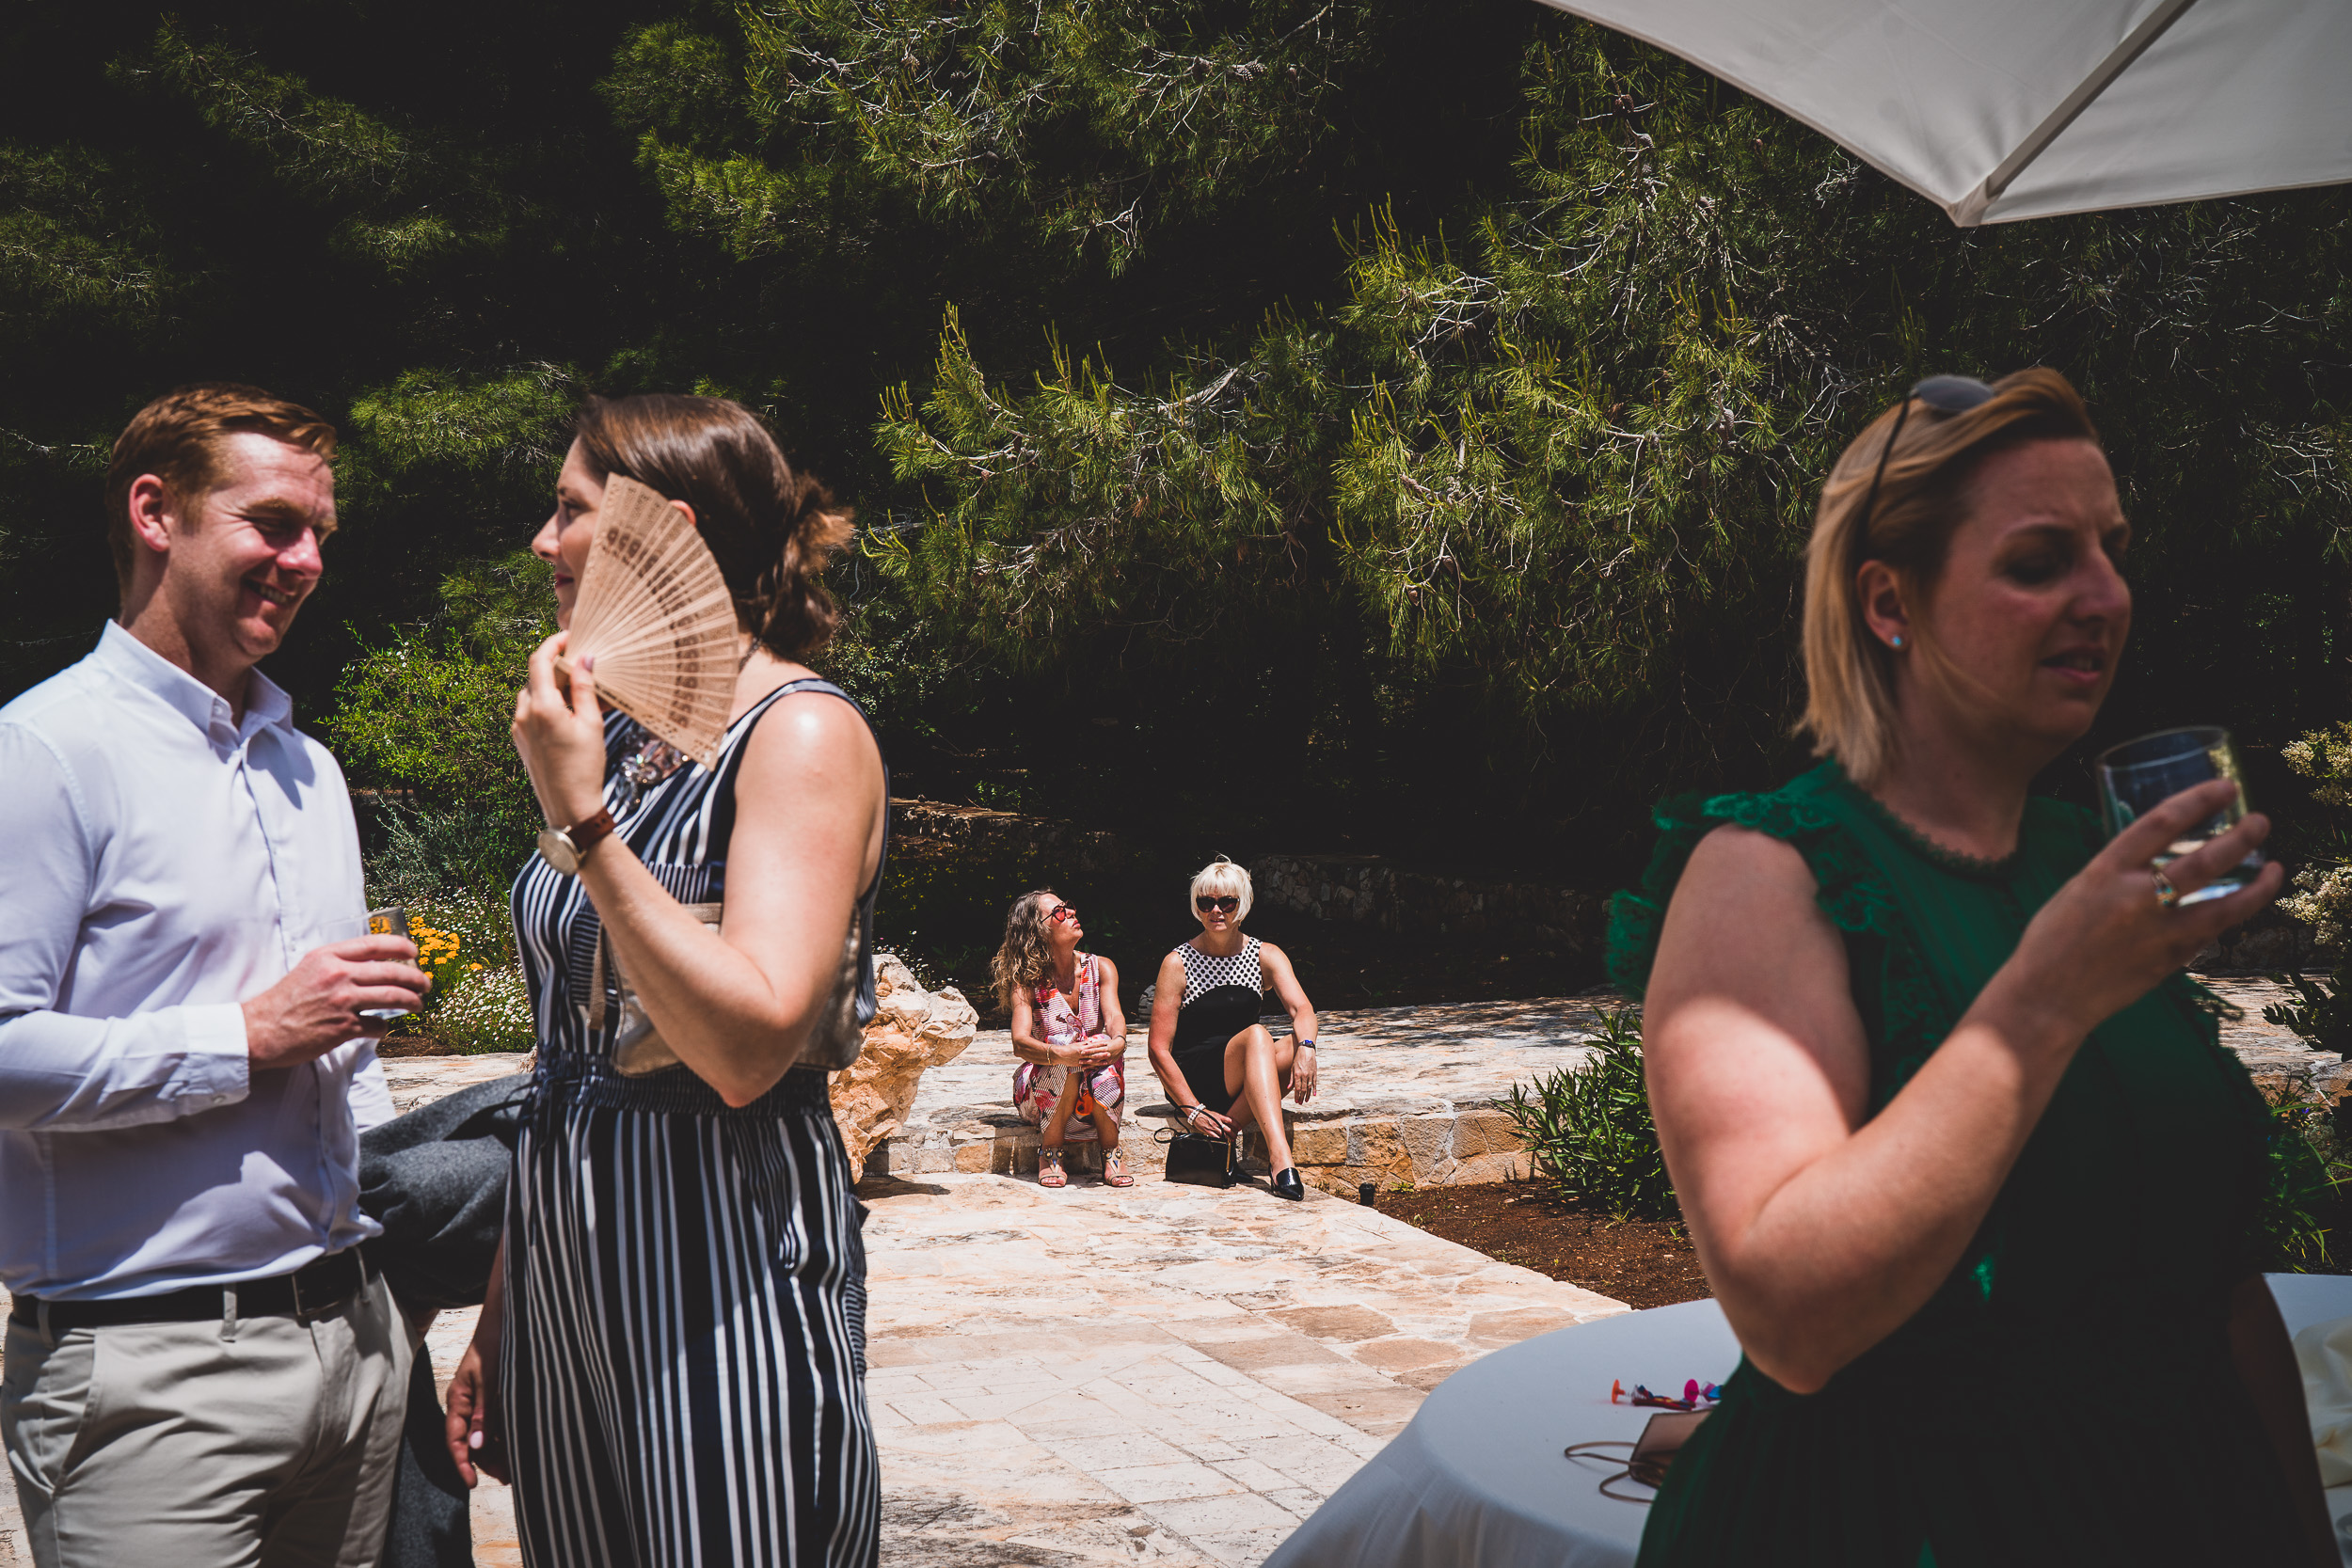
390 921
2136 776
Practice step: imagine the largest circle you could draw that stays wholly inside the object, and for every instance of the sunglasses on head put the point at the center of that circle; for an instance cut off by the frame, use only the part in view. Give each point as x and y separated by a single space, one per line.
1063 912
1227 903
1943 394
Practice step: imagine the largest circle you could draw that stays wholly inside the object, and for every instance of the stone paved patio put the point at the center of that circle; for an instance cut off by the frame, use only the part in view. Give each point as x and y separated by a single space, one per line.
1163 1373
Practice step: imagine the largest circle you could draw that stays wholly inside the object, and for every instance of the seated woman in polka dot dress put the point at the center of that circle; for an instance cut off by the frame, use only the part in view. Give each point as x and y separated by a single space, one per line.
1221 1068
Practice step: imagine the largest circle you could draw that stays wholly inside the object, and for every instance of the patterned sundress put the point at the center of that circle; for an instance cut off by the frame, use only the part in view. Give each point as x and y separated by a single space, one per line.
1062 1019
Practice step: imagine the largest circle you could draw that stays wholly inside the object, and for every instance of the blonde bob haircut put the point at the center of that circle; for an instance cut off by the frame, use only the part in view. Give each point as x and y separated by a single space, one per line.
1217 878
1849 675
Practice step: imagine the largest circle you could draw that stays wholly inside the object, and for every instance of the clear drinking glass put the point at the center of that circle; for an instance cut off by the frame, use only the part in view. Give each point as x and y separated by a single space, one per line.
2139 774
390 921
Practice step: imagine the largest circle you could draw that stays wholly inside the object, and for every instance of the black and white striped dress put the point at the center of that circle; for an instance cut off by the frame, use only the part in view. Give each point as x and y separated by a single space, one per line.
682 1373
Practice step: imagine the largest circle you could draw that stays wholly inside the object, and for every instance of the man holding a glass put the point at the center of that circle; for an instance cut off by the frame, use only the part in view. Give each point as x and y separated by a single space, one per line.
200 1367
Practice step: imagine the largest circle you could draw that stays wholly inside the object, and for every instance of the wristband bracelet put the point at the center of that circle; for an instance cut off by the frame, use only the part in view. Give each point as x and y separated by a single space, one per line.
1306 1045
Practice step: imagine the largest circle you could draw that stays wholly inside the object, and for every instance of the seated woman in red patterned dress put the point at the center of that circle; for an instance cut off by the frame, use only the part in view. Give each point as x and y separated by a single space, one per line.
1069 1032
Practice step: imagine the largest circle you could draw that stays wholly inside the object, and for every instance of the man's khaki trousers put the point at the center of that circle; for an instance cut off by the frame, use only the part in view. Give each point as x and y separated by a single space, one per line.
257 1442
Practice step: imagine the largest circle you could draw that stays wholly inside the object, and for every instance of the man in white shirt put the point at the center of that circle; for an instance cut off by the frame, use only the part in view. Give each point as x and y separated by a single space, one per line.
200 1369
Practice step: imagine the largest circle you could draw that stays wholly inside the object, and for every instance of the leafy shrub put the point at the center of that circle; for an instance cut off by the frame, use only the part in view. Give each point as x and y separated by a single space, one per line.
1588 1127
2322 891
486 1009
2301 1190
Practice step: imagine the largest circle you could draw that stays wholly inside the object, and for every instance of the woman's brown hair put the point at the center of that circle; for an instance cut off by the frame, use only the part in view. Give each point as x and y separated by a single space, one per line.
1922 498
770 528
1024 959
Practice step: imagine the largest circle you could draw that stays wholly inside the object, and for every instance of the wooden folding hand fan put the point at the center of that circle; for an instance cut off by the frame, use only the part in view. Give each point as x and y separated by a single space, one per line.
658 618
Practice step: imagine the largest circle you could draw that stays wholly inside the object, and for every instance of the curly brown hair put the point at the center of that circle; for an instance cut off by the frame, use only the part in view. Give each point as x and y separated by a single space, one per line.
1024 957
771 527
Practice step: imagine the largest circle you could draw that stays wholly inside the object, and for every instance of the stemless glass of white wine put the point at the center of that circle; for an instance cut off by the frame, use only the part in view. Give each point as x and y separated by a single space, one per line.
390 921
2136 776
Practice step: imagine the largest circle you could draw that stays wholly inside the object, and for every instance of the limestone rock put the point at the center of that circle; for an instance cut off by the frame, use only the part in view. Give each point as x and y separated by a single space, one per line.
914 1029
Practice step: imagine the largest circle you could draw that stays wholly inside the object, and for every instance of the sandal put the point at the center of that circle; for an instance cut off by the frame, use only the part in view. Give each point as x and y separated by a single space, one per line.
1049 1171
1115 1169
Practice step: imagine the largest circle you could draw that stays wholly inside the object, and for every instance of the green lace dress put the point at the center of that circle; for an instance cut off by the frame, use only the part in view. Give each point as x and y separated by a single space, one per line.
2066 1396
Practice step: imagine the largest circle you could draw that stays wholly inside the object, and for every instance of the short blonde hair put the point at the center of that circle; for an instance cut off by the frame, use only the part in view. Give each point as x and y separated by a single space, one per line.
1850 675
1217 878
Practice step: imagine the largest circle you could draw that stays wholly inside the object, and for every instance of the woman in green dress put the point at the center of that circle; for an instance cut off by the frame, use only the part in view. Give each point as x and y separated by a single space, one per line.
1969 1171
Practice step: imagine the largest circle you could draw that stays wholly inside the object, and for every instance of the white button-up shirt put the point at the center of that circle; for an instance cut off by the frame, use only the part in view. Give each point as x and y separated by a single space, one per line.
159 862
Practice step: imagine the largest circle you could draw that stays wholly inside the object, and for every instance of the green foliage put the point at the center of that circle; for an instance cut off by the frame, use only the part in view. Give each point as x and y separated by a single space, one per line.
1566 463
2321 892
1588 1127
1086 126
1423 403
2299 1198
426 721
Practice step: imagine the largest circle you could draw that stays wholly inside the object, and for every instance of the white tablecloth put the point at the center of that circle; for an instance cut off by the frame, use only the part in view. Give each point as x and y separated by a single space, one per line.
1478 1479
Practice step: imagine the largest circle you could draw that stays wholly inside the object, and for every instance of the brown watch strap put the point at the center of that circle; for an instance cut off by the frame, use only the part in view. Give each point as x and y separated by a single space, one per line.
589 832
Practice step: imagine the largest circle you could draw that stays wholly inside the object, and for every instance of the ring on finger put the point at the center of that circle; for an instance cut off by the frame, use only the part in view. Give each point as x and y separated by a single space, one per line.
2167 894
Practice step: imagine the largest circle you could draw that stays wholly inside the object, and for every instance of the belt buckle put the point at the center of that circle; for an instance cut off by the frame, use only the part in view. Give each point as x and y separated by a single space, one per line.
303 1312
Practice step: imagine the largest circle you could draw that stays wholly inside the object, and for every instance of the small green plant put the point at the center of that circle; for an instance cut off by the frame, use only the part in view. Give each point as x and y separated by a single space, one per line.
486 1009
2321 895
2301 1188
1588 1127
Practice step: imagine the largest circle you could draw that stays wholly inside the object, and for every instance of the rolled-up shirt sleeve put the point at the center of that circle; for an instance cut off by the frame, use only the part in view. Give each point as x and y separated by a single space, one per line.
59 1072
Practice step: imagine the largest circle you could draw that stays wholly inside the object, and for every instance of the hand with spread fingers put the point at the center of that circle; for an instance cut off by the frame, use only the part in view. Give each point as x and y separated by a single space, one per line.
2110 935
559 730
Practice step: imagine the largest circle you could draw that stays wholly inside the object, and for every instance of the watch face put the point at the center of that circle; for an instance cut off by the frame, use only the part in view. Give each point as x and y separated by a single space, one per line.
555 848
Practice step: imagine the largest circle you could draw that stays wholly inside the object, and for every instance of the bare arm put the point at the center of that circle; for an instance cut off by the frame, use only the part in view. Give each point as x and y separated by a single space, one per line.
1821 1231
1114 1016
2264 1357
1027 1043
1292 996
737 1007
468 1423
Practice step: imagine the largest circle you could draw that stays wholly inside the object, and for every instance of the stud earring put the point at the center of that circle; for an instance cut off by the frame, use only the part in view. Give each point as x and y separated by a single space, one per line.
1897 641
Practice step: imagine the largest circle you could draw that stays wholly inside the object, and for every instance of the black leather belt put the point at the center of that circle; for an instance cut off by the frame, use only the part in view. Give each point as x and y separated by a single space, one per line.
311 1291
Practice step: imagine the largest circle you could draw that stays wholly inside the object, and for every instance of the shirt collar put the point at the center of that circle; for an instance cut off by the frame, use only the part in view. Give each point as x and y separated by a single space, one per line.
126 657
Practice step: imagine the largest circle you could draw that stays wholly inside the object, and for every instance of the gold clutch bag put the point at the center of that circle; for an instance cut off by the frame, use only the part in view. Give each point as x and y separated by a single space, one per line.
639 1049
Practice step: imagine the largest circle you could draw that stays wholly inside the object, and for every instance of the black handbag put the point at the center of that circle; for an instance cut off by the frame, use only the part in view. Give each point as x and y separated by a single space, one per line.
1202 1161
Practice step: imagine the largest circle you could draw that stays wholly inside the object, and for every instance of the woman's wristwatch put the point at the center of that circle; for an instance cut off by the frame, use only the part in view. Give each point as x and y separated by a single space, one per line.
1306 1045
565 848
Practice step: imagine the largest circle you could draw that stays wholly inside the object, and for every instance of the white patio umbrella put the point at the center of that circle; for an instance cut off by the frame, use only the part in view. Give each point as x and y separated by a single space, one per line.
2004 109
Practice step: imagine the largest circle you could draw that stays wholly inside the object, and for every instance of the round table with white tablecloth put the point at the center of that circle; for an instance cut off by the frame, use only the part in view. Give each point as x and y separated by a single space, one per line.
1478 1476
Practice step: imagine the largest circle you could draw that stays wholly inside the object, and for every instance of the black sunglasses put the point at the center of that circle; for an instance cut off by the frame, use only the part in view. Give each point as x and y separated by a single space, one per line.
1227 903
1943 394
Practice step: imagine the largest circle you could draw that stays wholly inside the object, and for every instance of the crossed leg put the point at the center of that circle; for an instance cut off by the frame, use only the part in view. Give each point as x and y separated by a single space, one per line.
1257 1075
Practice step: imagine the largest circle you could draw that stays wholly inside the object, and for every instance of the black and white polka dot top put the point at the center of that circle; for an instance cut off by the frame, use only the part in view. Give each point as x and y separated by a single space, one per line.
1222 996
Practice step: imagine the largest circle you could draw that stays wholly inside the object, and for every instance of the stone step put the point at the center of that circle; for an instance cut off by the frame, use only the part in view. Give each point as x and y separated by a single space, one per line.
1436 1148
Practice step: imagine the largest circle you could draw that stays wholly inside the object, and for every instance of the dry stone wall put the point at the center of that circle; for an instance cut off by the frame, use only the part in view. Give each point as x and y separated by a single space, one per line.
1364 890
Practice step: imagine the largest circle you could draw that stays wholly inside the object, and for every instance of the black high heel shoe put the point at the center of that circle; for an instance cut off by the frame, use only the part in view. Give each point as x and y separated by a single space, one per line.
1286 1184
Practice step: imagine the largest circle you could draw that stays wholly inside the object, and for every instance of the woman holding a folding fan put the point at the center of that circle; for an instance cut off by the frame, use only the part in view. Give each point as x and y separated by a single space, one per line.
670 1365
